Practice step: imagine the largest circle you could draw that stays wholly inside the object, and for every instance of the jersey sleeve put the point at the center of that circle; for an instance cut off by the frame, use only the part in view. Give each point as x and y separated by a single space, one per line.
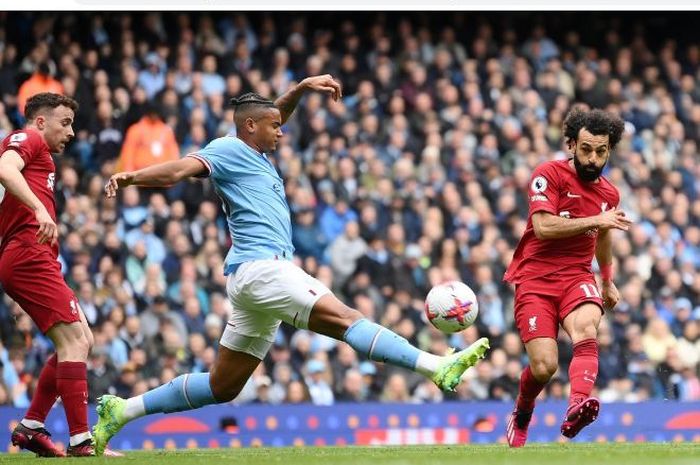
216 158
615 195
543 192
26 143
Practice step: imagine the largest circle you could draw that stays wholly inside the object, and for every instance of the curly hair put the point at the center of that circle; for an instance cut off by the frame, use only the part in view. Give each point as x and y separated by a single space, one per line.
597 122
46 100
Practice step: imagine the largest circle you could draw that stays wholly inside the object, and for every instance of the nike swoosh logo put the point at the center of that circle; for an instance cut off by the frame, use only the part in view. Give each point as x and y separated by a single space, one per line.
572 196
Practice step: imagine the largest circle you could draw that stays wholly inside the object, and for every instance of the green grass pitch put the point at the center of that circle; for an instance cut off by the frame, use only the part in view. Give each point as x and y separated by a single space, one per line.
534 454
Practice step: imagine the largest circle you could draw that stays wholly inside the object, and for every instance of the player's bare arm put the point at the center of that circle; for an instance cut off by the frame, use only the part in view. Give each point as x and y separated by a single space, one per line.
549 226
11 166
604 256
161 175
289 100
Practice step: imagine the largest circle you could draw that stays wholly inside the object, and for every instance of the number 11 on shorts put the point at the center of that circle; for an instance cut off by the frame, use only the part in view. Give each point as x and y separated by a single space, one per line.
591 290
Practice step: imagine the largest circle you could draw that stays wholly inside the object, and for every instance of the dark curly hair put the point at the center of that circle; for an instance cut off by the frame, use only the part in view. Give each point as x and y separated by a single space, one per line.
46 100
597 122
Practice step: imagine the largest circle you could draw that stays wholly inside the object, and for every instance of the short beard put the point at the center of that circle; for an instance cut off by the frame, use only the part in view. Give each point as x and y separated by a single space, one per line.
587 173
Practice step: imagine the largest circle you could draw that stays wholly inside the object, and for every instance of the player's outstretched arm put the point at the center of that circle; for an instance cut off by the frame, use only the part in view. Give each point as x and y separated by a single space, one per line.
289 100
11 166
161 175
549 226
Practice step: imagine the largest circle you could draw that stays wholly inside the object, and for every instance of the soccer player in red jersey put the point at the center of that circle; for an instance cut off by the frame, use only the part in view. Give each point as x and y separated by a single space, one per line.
573 210
31 274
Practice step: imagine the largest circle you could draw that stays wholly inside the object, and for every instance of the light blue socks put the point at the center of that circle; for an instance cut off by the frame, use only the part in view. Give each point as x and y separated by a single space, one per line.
186 392
381 344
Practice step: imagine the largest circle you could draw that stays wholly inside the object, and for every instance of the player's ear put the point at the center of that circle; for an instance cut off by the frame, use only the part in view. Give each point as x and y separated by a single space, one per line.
250 125
40 122
571 143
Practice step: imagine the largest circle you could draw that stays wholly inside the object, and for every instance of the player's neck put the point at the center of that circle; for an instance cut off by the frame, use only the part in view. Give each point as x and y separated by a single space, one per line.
251 144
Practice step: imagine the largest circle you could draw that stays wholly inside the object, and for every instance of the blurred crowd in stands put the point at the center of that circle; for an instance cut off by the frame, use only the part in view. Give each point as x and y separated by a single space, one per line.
418 175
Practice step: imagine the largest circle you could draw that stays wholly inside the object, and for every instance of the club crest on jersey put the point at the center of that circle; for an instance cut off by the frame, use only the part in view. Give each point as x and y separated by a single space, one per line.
51 181
16 139
539 184
604 207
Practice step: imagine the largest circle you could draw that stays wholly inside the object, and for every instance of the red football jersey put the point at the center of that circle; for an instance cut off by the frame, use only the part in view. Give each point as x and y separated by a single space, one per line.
17 221
556 188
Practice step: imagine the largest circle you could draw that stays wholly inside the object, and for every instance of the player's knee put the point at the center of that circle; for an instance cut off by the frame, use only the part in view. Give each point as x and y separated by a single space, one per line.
74 348
544 368
585 331
82 347
90 339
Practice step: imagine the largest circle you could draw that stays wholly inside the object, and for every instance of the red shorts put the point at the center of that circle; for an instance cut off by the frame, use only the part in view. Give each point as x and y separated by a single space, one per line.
32 277
542 304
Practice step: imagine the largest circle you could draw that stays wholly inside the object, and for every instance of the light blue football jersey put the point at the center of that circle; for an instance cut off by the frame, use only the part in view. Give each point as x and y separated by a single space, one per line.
253 198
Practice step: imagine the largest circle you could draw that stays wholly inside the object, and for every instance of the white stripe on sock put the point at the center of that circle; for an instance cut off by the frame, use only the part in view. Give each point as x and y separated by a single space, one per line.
427 364
374 342
184 390
78 438
32 424
134 407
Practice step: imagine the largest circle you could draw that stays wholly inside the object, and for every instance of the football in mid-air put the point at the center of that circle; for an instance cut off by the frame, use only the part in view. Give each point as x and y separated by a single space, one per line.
451 307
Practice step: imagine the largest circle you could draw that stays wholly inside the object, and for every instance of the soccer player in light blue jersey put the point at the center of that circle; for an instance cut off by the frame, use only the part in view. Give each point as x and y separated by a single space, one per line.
265 287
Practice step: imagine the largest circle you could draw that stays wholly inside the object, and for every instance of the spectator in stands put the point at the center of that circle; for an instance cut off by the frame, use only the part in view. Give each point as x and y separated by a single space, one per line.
42 80
147 142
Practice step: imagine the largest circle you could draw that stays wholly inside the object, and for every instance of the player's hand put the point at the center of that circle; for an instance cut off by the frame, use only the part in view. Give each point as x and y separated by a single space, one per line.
324 83
613 219
48 231
611 296
116 181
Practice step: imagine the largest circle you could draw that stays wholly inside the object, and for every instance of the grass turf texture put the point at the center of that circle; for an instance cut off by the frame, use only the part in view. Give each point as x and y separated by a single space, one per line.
532 454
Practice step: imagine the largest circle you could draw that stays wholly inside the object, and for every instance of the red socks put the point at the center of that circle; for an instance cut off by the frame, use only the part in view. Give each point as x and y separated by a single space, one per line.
529 389
71 384
46 393
583 370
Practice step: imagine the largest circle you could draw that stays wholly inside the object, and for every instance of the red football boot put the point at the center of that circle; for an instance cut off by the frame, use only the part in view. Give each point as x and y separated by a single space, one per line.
35 440
84 449
516 429
580 415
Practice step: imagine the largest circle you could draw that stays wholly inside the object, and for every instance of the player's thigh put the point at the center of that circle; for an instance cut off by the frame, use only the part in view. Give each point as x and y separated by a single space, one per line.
581 307
277 288
535 314
249 331
230 372
33 279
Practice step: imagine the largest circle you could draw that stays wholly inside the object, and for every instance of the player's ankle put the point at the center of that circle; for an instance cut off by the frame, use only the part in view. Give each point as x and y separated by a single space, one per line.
525 406
32 424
